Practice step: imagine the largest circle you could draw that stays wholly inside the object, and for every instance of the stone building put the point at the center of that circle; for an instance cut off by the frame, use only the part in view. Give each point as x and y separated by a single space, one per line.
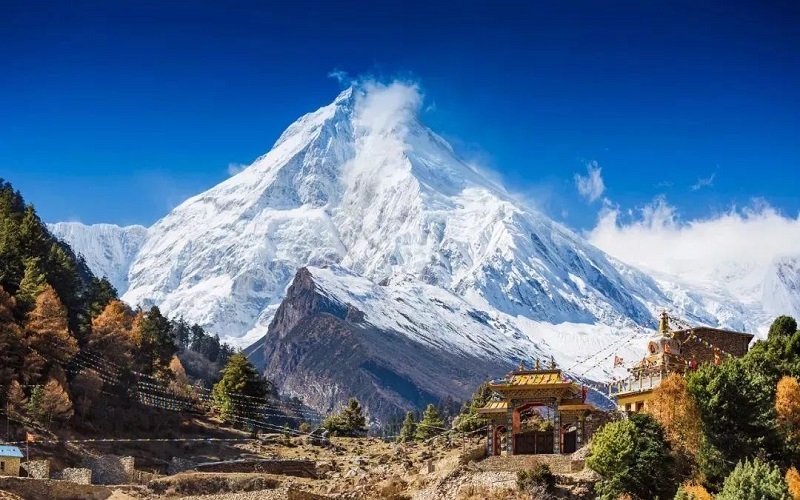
537 412
675 351
10 457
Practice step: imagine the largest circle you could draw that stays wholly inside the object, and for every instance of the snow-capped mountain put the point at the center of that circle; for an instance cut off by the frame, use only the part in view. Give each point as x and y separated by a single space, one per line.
393 224
108 249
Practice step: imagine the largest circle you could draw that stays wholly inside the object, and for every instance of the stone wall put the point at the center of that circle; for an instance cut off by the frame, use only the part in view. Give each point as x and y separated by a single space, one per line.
50 489
178 464
730 342
37 469
298 468
111 469
79 476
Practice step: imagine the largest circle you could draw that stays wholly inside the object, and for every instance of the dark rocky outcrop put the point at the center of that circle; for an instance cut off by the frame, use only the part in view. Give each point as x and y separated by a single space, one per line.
325 352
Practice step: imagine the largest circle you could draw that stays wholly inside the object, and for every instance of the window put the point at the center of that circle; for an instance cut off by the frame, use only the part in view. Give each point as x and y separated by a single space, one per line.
639 406
2 466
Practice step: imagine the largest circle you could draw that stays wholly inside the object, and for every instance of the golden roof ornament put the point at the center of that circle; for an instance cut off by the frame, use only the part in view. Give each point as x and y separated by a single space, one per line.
537 364
552 362
663 325
521 366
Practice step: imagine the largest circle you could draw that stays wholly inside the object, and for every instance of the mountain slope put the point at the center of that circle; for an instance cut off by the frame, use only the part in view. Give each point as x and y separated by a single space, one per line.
108 249
426 255
363 184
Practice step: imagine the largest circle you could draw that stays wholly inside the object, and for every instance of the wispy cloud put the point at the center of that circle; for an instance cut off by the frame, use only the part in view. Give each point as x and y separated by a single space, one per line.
591 185
704 182
664 184
235 168
340 76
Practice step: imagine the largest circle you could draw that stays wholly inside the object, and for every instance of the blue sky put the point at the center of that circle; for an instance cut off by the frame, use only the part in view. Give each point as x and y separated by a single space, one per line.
117 111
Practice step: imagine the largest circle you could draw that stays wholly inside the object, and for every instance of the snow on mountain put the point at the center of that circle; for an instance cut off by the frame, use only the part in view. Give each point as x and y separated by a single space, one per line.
392 222
781 293
108 249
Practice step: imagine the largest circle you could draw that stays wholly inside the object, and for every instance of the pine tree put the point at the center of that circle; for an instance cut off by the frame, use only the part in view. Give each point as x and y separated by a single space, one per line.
430 425
157 344
15 396
240 383
13 350
350 421
756 480
112 333
181 332
35 402
408 431
101 293
56 404
470 420
33 283
47 328
86 389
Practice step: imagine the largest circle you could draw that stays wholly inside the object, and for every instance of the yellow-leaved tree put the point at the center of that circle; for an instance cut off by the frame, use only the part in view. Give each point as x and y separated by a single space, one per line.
47 328
674 408
113 334
787 406
793 480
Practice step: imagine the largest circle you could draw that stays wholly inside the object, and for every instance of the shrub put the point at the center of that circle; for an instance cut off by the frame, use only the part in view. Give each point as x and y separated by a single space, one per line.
633 457
693 492
793 482
540 477
756 480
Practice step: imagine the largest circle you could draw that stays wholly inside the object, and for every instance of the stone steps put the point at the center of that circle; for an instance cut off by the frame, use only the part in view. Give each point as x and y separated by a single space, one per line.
559 464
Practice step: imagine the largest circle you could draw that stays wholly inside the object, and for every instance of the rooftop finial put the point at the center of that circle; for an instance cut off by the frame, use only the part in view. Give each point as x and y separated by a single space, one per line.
663 325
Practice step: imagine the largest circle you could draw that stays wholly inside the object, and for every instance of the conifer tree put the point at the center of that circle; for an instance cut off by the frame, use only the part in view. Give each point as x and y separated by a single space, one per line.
157 344
350 421
112 333
408 431
101 293
756 480
56 404
239 388
13 351
15 396
47 328
32 284
86 389
674 408
35 402
430 425
470 420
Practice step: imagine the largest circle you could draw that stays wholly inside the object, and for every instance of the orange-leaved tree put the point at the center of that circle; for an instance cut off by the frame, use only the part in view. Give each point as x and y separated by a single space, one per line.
112 333
787 406
672 405
793 481
47 328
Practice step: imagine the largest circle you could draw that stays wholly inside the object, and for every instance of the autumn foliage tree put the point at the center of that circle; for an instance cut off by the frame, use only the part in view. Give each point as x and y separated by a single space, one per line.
47 328
112 333
56 404
86 389
787 406
12 346
793 482
676 411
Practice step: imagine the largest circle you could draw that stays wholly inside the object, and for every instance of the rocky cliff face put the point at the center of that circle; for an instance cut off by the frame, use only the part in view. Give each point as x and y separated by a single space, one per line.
326 351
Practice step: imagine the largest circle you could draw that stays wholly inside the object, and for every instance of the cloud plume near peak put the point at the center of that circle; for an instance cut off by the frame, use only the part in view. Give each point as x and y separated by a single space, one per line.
591 185
734 248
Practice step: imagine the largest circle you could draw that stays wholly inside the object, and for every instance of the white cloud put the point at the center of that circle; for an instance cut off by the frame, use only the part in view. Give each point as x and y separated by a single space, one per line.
704 182
590 186
733 248
235 168
383 107
340 76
